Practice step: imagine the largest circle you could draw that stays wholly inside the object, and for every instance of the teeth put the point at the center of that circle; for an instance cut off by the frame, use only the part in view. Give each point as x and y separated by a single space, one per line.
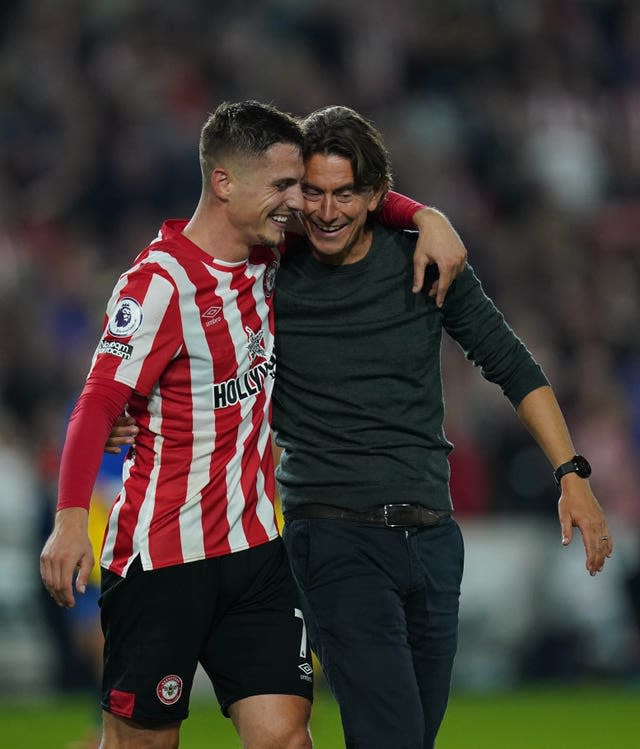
329 230
280 219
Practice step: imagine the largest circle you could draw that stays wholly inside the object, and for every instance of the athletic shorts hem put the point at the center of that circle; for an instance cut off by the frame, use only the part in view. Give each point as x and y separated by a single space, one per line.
154 722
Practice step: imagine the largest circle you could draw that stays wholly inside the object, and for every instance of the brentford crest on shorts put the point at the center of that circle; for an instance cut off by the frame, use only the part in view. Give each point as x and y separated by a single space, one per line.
169 689
200 481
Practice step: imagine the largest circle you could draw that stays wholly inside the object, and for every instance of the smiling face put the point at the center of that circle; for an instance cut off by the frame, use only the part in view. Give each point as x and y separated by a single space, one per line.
264 192
335 214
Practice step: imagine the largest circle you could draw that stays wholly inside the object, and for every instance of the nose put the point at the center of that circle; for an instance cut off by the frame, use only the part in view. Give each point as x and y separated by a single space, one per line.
327 209
294 200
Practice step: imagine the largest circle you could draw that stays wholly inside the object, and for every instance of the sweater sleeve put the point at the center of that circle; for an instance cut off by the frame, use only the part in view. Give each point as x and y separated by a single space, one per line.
479 328
398 211
97 408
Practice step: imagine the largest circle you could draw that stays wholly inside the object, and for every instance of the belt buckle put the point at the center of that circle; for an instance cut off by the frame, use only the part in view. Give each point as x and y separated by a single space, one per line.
386 515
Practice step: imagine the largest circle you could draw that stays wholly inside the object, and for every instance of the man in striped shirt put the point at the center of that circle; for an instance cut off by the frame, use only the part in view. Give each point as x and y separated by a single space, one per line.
193 566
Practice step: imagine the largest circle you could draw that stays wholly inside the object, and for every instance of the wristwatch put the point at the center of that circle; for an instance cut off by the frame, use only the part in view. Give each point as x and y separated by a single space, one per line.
578 464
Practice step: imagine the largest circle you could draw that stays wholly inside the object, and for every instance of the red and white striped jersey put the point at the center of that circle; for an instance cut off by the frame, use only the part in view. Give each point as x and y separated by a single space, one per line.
193 336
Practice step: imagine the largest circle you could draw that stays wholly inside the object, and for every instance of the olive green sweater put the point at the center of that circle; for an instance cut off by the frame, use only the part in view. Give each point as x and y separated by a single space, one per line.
358 405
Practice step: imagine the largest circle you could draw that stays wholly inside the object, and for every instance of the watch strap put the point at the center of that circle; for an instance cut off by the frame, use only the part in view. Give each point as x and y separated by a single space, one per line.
578 464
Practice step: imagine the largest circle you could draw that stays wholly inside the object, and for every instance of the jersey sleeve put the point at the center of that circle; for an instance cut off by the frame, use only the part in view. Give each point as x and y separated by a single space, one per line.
97 408
398 211
142 333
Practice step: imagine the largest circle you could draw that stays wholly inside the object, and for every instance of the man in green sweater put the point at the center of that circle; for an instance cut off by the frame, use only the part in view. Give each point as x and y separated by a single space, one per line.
364 475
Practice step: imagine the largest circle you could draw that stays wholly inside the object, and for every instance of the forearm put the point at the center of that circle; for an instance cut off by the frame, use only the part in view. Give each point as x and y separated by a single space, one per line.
399 211
541 415
433 221
98 406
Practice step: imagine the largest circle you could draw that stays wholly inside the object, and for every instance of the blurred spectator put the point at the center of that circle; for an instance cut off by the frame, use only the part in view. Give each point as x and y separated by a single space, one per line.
520 120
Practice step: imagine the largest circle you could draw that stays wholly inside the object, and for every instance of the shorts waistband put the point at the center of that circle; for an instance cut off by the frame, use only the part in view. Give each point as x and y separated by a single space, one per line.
392 515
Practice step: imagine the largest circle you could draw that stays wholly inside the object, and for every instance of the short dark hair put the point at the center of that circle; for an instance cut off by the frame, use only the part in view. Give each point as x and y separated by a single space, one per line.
246 128
343 132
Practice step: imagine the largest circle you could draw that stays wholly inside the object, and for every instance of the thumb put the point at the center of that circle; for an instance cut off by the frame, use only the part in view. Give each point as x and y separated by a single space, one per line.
566 525
84 571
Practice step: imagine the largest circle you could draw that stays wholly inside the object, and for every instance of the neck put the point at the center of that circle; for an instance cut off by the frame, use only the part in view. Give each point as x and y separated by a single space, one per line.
209 229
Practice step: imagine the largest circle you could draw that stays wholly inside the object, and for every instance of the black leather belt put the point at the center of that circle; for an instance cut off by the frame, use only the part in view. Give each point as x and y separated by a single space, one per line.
391 515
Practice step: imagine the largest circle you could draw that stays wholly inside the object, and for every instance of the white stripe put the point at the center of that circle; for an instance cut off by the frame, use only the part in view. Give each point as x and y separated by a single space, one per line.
236 501
121 283
154 307
264 509
202 413
145 515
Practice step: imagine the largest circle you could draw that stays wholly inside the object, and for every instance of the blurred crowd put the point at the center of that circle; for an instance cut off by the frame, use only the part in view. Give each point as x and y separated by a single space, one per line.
520 119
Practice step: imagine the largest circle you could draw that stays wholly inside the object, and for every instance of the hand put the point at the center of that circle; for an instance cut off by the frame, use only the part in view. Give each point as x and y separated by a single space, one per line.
578 508
124 432
438 243
68 548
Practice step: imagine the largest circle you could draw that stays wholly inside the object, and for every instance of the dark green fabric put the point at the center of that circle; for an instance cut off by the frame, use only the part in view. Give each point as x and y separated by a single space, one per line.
358 405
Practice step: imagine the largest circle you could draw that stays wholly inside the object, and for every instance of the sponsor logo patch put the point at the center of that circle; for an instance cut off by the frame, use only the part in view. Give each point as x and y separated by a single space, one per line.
115 348
169 689
238 389
126 318
255 344
307 671
212 316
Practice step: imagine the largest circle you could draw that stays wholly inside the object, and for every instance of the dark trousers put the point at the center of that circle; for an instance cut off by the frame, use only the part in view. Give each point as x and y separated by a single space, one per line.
381 606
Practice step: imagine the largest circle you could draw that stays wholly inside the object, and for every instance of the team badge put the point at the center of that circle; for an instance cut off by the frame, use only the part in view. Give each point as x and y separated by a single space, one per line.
126 318
269 280
169 689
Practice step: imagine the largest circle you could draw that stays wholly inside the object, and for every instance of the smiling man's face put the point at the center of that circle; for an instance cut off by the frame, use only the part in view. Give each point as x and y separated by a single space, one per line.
265 193
335 214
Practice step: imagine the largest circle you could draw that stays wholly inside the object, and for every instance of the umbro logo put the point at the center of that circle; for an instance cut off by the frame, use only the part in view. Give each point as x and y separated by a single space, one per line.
306 668
212 315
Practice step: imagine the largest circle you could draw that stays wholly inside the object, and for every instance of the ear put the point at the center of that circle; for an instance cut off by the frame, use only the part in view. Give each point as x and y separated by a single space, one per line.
375 199
221 183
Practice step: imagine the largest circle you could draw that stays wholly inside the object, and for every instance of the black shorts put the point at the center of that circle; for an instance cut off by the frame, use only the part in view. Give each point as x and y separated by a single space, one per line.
238 615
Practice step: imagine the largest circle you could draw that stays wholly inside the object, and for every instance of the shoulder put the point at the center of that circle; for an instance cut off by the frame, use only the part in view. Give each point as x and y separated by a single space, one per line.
154 273
261 254
403 239
393 246
296 250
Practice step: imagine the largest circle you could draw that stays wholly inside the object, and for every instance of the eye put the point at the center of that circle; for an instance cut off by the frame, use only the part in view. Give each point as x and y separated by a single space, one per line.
284 184
344 196
310 193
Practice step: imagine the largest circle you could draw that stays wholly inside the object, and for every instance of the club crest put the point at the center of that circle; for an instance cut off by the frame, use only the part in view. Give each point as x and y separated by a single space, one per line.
169 689
269 280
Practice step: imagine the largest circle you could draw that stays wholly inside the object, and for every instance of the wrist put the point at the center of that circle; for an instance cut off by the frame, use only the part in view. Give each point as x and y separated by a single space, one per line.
578 465
72 516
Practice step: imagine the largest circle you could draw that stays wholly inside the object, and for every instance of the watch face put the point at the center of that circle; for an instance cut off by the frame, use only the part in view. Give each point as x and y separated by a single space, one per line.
583 469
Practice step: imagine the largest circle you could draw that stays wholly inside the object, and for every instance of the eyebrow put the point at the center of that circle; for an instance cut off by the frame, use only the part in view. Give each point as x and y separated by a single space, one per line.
285 181
341 188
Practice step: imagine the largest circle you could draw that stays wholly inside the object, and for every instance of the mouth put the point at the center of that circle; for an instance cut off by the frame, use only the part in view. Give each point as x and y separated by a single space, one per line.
326 231
281 219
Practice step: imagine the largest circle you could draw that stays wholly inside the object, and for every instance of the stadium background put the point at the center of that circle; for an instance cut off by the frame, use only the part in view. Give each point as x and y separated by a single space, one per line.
520 120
